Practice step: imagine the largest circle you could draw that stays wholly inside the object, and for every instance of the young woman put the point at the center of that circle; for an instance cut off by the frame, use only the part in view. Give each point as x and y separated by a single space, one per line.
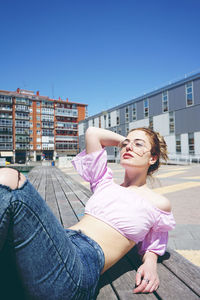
54 263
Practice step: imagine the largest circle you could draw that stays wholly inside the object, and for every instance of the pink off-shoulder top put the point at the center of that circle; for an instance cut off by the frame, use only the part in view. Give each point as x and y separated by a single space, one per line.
122 208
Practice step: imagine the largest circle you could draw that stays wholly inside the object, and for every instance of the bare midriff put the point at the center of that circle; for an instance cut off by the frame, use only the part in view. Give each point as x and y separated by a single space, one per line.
112 242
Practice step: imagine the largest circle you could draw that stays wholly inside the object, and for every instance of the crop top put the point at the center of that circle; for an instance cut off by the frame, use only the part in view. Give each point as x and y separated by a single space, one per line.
129 213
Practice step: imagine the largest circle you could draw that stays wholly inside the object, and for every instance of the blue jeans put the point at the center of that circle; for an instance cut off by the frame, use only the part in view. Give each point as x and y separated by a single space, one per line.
52 262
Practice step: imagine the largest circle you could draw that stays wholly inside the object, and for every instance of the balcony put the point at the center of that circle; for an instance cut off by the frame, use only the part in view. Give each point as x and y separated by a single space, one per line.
47 125
22 124
5 108
21 131
5 116
66 138
5 99
64 112
22 108
47 111
23 101
21 116
6 131
6 146
5 122
22 139
6 139
66 125
19 146
47 118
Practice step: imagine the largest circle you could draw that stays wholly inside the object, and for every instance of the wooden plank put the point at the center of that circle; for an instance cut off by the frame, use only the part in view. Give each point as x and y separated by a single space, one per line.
82 194
51 197
73 200
67 215
172 287
42 183
184 270
122 277
105 289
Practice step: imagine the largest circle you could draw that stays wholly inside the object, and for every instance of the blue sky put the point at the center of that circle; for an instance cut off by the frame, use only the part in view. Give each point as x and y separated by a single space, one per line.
101 53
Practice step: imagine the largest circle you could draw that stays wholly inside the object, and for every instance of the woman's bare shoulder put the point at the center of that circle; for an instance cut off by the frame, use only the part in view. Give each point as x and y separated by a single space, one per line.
161 201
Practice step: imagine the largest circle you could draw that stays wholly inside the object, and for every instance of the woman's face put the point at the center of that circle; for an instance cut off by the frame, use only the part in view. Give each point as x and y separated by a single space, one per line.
136 150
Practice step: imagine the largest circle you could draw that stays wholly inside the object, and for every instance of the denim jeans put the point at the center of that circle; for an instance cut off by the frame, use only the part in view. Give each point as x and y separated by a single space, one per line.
52 262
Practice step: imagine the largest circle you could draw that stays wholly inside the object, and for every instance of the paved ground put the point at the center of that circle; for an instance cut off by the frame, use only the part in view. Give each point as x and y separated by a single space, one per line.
180 184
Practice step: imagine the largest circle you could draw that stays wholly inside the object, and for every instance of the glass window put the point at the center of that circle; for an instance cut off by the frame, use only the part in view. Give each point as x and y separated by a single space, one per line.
191 143
165 107
134 112
127 115
31 124
178 143
117 117
189 94
151 123
146 108
38 118
171 122
38 103
109 120
38 110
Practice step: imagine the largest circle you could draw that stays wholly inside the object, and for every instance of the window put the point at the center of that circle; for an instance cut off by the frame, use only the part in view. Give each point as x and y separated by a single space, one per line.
191 143
117 117
38 140
127 115
38 110
178 143
31 124
127 129
134 112
165 107
146 108
171 122
38 132
38 118
104 117
38 125
38 103
109 120
38 146
151 123
99 122
189 94
93 122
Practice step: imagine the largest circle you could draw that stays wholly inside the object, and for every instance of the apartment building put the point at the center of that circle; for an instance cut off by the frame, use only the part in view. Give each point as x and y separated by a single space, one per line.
35 127
173 110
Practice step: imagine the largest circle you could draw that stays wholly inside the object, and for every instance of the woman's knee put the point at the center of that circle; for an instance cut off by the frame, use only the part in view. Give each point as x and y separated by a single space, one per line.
11 177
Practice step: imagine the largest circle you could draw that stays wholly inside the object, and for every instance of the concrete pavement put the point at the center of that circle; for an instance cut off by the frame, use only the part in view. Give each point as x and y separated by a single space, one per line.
181 185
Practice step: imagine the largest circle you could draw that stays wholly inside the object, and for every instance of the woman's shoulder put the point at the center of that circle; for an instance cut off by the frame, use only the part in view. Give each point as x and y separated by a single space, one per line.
160 201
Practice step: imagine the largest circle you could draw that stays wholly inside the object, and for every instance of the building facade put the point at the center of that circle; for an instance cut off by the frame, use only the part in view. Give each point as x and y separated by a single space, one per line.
35 127
173 110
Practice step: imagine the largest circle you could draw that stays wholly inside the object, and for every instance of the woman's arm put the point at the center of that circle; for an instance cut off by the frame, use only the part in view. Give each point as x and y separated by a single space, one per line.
97 138
147 279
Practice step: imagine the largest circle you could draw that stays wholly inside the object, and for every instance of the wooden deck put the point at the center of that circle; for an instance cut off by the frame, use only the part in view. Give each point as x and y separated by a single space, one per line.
179 278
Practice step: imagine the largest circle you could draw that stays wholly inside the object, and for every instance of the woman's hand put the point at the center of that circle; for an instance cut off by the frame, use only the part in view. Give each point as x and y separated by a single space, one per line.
147 280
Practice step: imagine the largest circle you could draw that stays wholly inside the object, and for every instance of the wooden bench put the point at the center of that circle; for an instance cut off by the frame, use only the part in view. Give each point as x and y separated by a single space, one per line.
179 279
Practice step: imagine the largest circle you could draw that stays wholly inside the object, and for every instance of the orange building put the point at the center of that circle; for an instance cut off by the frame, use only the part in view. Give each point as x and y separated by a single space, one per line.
35 127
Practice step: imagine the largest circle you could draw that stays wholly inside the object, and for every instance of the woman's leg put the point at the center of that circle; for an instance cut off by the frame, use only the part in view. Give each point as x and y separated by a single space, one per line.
47 260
